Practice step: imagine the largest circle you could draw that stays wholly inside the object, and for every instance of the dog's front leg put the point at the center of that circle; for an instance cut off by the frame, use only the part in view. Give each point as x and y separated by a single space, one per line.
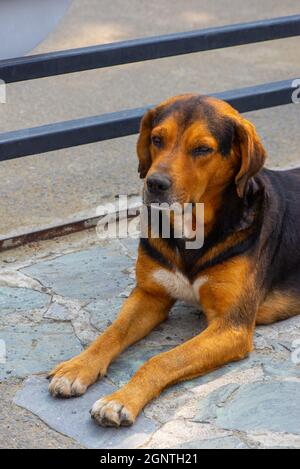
141 312
221 343
229 299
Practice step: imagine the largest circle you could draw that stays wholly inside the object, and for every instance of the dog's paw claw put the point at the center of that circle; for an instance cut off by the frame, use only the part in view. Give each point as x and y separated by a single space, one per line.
65 387
111 413
72 378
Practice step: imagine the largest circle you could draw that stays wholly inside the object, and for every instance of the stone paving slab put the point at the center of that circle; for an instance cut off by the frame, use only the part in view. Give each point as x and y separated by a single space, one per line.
261 406
227 442
36 348
103 312
71 416
21 299
89 275
21 429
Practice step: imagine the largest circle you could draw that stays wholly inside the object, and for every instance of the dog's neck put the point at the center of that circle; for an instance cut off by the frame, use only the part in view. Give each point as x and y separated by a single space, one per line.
235 228
228 217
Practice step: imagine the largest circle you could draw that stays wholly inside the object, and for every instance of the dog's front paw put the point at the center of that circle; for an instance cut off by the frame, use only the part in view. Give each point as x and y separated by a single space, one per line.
72 378
112 412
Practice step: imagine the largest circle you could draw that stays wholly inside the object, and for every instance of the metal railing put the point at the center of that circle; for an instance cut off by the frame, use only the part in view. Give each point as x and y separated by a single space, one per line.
67 134
138 50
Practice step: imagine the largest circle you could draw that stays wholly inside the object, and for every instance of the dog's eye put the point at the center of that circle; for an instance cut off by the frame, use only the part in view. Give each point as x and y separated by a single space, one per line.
157 141
201 151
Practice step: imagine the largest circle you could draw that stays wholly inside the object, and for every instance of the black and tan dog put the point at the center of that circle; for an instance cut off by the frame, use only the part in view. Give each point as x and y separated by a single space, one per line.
199 149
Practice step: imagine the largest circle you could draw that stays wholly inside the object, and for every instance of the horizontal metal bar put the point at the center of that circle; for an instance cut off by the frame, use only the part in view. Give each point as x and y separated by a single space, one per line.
67 134
118 53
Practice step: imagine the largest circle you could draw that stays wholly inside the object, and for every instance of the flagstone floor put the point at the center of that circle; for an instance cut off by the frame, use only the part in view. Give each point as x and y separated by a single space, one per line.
57 296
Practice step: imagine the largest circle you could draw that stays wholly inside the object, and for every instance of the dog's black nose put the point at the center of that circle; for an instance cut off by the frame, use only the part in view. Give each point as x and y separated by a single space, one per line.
158 183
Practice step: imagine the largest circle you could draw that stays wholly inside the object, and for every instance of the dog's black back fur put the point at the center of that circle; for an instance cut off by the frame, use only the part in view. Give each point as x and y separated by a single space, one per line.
280 235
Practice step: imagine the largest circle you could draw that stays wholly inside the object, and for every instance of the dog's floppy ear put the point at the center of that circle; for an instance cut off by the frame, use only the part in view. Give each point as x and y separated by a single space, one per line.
144 143
251 151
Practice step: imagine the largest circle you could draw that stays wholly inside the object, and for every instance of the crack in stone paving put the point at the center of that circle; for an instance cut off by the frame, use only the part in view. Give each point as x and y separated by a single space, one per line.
78 317
17 279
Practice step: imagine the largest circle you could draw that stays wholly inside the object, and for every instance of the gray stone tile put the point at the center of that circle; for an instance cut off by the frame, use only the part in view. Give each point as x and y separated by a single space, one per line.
272 367
184 321
104 312
130 361
94 274
209 408
36 348
58 312
20 429
281 369
131 245
21 299
71 416
227 442
262 406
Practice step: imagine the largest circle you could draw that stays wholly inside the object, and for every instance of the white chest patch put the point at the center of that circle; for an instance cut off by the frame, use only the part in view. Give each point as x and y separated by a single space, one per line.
178 286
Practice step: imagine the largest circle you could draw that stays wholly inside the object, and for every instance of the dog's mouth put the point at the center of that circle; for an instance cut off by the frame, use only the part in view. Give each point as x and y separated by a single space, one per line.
166 202
151 200
169 204
174 220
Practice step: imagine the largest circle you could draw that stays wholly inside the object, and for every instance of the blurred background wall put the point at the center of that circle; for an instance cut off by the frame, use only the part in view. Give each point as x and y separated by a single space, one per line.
25 23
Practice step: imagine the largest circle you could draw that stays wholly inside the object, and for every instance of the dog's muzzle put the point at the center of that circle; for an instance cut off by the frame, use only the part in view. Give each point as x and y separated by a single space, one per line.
157 189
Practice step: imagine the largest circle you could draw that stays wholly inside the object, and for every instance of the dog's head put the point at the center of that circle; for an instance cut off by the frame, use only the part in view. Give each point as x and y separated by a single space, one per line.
192 147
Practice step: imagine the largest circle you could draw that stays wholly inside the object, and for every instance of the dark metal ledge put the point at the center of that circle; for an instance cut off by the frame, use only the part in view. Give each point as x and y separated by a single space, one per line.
89 219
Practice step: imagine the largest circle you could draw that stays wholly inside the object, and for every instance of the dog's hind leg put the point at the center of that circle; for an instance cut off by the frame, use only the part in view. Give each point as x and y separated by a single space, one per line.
278 306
